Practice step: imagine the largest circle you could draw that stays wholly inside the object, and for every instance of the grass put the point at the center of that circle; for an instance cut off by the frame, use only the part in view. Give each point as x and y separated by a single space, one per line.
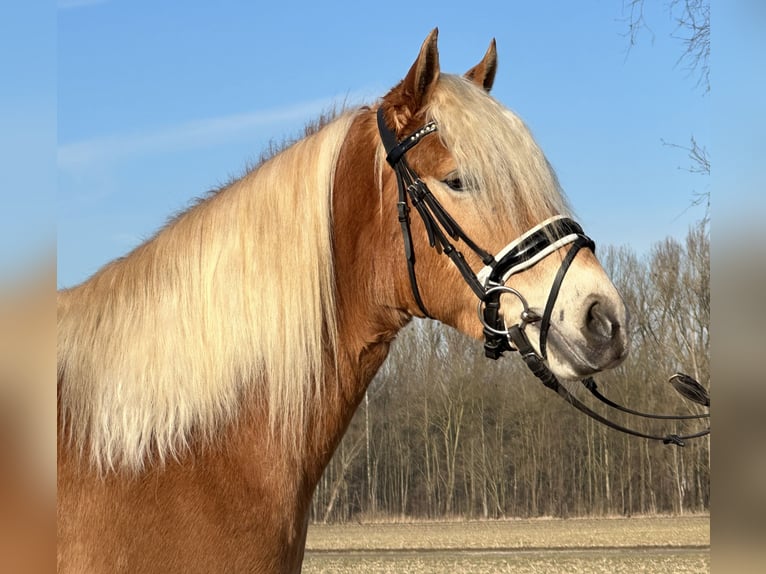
668 545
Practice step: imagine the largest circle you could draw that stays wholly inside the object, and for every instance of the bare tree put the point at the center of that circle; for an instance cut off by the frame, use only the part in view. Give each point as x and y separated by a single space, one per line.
699 164
692 20
450 433
692 30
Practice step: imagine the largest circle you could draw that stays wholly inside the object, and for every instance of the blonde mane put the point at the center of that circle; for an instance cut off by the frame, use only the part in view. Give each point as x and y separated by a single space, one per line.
237 291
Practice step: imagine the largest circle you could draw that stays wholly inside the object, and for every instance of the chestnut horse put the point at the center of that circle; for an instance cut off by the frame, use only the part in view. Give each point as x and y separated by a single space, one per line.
205 379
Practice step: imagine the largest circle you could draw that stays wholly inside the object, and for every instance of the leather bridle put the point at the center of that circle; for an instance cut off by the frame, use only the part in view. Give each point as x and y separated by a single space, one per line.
489 284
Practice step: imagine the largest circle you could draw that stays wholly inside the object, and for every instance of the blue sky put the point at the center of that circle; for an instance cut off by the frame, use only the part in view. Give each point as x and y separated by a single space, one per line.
157 105
158 102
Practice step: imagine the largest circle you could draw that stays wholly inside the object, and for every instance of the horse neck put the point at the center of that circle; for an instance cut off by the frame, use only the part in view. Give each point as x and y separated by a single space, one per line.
368 286
368 316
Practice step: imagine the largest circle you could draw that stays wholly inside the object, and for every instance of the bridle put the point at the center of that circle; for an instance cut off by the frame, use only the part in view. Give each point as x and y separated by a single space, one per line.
489 284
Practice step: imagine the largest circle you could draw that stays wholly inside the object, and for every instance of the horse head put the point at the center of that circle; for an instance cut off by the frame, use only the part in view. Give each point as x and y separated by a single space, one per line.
472 178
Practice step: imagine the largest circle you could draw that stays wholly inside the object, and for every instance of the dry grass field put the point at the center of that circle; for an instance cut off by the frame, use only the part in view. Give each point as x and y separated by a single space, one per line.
667 545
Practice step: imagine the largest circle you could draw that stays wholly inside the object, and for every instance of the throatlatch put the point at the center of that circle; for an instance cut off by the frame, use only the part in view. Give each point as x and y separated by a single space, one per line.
489 283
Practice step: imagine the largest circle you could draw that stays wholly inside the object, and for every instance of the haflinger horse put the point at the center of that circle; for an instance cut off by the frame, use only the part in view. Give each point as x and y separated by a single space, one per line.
206 378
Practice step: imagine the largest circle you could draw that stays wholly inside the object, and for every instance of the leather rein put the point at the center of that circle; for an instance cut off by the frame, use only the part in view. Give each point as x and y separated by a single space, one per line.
489 283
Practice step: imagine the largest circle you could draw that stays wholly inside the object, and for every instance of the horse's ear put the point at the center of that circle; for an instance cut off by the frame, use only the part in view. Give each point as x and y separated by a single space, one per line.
411 94
483 73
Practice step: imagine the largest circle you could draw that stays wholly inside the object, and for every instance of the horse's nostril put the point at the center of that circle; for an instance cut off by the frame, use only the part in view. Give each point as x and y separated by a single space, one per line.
601 322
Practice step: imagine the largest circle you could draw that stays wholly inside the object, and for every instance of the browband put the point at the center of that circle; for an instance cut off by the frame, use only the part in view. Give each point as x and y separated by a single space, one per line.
395 150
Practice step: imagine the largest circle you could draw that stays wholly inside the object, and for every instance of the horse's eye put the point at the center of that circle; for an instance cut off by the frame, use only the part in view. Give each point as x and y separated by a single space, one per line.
454 183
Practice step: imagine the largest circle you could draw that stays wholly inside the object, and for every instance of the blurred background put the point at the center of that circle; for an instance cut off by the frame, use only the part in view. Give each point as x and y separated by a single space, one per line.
27 286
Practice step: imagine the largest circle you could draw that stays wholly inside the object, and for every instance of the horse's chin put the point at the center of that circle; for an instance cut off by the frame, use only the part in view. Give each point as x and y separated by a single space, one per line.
566 372
572 362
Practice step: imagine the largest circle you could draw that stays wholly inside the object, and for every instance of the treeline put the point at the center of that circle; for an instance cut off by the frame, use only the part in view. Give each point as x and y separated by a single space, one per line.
444 432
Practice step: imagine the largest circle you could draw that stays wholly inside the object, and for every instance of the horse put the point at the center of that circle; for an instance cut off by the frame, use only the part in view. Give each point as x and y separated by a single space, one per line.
206 378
